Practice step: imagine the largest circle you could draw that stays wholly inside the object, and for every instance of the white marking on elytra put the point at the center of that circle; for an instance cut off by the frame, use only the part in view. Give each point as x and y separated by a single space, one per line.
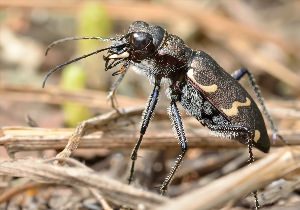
207 88
234 108
256 135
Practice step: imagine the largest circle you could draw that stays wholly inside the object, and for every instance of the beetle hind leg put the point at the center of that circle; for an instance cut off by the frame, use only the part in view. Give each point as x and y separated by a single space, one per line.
237 129
244 134
238 74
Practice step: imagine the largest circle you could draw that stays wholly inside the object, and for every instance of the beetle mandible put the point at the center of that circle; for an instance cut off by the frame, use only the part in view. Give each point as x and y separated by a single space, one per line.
194 80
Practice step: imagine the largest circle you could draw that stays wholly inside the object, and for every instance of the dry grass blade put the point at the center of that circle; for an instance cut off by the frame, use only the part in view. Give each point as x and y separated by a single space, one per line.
101 200
30 139
54 95
74 176
239 183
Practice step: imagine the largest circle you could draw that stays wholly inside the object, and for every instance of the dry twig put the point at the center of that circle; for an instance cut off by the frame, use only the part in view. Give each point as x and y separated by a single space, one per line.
30 139
90 125
121 194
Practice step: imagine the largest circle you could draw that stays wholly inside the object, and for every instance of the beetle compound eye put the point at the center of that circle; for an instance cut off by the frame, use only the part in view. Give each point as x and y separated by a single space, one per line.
140 40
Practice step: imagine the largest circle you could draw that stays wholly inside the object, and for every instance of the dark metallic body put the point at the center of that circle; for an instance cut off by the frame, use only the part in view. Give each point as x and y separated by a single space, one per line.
194 79
173 59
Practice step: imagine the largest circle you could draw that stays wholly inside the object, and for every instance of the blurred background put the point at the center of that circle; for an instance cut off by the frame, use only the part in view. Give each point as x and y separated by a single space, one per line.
260 35
263 36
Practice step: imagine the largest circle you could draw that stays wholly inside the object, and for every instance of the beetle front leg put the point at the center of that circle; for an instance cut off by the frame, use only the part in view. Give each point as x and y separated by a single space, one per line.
115 85
177 125
112 92
238 74
147 115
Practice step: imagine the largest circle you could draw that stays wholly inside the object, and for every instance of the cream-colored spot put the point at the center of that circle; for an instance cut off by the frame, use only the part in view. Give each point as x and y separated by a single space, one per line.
122 55
234 109
256 135
206 88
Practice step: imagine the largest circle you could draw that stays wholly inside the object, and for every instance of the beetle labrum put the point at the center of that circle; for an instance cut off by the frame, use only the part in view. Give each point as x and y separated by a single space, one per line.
194 79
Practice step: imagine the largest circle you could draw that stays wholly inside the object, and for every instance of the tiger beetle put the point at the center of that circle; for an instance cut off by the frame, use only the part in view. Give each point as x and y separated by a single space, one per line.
194 80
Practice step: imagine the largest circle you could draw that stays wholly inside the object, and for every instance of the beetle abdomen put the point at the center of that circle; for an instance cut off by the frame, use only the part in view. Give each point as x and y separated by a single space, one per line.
199 107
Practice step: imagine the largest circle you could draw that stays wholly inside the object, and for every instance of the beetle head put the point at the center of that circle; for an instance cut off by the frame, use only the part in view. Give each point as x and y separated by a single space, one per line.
141 42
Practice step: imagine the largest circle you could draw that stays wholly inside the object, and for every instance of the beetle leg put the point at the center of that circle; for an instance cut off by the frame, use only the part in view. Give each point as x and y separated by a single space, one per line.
236 130
238 75
249 140
115 85
147 115
111 94
178 127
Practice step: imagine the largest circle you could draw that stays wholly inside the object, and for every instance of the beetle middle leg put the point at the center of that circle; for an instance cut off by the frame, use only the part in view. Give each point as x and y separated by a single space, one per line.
178 126
147 115
238 74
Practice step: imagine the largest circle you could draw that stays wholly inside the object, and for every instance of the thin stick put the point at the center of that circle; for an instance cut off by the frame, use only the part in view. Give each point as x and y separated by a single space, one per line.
85 127
100 199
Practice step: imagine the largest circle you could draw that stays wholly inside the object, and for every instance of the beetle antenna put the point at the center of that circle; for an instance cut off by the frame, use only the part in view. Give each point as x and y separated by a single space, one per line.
77 38
72 61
